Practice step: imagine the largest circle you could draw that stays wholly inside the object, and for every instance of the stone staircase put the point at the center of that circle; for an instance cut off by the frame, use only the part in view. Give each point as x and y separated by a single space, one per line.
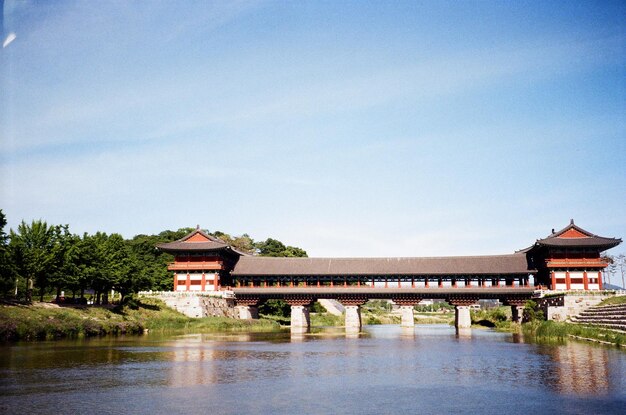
609 316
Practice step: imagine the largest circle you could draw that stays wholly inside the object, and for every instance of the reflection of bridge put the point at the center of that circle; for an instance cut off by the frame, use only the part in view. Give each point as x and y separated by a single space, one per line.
300 298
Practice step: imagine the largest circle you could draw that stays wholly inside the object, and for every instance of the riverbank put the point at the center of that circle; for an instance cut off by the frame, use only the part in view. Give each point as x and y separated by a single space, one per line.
45 321
554 330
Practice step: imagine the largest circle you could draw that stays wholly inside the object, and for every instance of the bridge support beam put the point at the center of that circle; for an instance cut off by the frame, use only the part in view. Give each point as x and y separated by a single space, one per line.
462 319
407 316
406 304
352 305
353 318
300 320
246 312
517 312
517 308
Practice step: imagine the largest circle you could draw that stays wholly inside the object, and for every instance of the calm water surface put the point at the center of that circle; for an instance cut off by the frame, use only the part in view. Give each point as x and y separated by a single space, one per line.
386 370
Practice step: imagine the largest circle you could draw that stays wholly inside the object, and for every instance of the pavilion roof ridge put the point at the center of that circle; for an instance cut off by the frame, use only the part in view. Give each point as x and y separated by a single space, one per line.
203 233
588 239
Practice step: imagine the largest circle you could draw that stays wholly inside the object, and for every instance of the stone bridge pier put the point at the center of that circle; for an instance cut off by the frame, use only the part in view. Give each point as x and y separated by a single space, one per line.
462 318
300 317
352 305
406 309
517 308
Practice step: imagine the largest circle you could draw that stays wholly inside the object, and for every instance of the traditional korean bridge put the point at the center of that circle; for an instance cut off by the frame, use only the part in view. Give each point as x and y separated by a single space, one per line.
352 298
566 259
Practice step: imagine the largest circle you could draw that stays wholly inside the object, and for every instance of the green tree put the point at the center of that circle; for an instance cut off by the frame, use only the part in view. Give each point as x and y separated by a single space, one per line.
7 266
35 254
274 248
151 263
65 270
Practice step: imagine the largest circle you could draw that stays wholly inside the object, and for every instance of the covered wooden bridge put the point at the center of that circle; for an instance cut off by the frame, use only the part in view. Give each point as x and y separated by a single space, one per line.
461 281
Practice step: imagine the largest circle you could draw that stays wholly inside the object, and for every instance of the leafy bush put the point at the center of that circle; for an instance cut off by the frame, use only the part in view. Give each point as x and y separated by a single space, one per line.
275 308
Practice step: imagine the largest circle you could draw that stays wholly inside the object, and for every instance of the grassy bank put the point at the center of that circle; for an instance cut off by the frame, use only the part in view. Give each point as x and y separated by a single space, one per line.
621 299
547 330
498 318
41 321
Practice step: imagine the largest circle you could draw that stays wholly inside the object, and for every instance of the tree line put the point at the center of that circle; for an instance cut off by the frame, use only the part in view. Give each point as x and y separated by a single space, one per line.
43 259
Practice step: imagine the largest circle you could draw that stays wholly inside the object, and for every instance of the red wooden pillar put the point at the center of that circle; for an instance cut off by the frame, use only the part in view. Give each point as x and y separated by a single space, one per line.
358 282
399 282
175 282
188 283
425 283
454 284
318 280
345 281
203 283
386 285
216 281
568 281
553 278
440 282
331 282
585 280
468 283
600 280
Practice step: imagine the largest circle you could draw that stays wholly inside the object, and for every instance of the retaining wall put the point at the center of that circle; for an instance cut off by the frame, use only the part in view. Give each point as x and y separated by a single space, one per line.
213 304
563 306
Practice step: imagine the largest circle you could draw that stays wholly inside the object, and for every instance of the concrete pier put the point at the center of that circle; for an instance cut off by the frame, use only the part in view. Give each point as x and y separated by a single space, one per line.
407 316
517 311
462 319
246 312
353 318
300 319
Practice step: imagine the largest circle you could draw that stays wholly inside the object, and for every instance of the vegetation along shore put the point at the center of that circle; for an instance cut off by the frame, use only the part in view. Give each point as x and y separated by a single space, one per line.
45 321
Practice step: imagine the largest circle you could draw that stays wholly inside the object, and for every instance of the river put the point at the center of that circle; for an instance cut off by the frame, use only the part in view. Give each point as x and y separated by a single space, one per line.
385 370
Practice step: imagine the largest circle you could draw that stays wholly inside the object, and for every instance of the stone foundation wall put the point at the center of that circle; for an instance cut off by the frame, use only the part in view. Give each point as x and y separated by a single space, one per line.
215 304
564 306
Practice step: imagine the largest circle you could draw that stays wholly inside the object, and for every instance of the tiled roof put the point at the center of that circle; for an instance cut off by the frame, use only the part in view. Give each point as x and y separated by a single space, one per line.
585 238
470 265
201 242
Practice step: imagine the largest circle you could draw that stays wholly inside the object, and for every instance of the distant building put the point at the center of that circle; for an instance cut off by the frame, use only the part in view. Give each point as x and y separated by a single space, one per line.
569 259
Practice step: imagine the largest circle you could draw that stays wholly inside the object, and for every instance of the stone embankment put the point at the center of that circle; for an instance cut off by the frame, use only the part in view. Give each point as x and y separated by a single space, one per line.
197 305
609 316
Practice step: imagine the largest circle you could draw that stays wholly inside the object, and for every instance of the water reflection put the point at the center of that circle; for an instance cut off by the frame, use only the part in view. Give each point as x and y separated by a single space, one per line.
464 333
407 332
578 369
393 367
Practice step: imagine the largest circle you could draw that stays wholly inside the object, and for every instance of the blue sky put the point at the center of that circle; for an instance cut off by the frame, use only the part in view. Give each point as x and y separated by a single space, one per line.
345 128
